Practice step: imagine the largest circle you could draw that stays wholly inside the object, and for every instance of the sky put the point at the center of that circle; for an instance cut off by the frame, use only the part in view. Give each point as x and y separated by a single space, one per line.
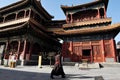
53 8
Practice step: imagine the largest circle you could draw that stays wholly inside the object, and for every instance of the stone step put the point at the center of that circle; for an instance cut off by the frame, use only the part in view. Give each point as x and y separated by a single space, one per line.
99 78
35 62
32 62
69 63
34 57
89 65
108 64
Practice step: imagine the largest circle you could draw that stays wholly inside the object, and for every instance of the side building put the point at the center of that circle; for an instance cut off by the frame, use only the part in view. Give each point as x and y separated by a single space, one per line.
88 33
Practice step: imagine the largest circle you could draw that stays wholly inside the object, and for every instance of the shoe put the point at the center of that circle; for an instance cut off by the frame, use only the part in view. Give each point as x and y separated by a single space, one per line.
63 76
51 77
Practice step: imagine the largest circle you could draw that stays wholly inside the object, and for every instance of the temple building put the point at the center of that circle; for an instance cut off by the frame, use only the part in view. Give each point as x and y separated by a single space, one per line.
88 33
27 30
23 31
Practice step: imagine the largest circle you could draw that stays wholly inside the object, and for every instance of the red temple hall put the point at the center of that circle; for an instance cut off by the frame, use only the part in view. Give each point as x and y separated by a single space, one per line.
28 30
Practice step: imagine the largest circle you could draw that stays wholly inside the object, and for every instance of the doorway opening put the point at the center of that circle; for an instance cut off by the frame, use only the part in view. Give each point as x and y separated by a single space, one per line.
86 55
86 52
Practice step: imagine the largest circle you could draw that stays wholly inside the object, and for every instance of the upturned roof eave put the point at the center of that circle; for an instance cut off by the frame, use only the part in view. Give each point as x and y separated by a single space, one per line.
39 5
14 5
14 27
23 2
114 27
64 8
89 22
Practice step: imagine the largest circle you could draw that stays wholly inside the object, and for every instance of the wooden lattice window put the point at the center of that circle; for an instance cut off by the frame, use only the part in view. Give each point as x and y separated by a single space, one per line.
96 49
107 49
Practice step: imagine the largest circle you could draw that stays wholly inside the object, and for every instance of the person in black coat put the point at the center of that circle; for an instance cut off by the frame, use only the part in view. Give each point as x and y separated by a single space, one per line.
58 68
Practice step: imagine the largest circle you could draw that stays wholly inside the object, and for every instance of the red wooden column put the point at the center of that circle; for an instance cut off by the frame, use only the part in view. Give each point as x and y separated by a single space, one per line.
30 50
16 16
6 46
105 13
63 49
4 19
24 48
67 18
18 49
71 18
71 46
22 56
98 16
30 12
103 50
113 49
25 14
91 53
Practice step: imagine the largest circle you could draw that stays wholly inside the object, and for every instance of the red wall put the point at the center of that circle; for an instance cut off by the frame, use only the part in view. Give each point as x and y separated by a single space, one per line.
99 50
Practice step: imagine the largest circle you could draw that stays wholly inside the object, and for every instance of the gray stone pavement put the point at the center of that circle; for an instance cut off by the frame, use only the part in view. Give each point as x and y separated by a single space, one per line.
72 73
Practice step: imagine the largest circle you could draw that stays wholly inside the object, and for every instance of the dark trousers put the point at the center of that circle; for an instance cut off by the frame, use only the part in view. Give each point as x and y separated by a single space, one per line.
58 71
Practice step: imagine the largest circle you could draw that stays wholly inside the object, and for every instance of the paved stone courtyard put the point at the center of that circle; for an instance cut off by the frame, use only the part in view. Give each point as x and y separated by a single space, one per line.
72 73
